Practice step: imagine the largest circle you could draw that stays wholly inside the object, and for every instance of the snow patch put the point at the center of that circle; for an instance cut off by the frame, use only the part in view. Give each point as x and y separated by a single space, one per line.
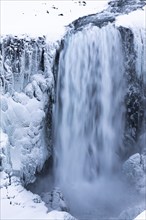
134 19
17 203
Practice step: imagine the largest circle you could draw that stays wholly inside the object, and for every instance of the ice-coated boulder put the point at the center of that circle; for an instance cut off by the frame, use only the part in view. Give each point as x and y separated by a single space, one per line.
54 200
135 171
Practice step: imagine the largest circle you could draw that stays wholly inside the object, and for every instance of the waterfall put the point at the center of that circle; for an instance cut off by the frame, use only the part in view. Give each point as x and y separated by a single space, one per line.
89 105
90 121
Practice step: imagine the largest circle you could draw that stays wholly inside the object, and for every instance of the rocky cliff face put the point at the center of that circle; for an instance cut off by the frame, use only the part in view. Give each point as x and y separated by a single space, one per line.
135 95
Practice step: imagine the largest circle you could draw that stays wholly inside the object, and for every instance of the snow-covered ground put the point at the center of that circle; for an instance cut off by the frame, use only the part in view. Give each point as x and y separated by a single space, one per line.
18 203
37 18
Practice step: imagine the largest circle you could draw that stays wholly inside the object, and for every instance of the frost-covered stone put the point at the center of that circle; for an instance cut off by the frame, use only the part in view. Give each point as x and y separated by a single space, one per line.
135 172
116 8
54 200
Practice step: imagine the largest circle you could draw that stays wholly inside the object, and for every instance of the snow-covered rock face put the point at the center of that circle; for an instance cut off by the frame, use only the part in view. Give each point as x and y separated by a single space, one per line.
116 8
27 93
22 58
125 6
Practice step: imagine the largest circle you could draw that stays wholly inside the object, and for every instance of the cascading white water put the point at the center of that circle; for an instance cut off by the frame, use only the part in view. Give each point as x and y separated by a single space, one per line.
89 109
89 106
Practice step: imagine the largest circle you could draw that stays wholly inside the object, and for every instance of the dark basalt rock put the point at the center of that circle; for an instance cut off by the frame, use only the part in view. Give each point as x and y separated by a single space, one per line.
116 7
125 6
99 20
134 97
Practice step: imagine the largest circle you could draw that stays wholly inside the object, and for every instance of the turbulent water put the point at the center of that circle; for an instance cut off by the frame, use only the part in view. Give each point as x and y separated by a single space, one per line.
90 104
89 111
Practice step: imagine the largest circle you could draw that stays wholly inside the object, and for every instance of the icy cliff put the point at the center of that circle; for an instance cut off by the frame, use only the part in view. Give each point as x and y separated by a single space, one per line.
27 94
